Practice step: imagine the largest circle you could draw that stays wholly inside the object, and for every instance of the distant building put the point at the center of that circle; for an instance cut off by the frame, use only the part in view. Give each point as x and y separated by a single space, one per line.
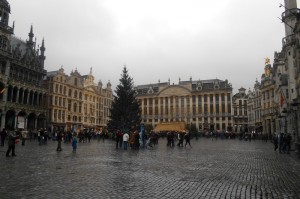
75 102
254 110
240 116
22 96
204 103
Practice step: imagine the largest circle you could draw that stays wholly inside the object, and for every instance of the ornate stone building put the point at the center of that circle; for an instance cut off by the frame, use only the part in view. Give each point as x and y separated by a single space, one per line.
269 106
240 115
286 69
254 109
22 96
204 103
76 102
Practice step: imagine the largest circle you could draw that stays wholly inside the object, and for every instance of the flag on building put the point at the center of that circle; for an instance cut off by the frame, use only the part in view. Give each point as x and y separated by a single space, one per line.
1 91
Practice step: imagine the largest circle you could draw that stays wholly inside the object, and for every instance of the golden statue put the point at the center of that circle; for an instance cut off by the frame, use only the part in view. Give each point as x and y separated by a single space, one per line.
267 60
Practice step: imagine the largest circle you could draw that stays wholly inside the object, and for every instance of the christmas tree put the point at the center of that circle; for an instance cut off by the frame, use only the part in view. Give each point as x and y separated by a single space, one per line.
125 111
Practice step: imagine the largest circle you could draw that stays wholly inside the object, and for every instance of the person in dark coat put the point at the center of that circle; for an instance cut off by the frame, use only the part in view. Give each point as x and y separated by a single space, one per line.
59 139
187 138
275 140
11 143
136 140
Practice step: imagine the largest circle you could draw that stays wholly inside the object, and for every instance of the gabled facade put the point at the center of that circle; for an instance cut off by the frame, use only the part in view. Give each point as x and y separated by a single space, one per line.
204 103
269 107
254 109
75 102
240 115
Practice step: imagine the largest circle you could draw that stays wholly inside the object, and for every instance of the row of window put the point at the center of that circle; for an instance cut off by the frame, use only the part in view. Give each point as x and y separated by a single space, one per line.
59 115
176 109
60 101
176 99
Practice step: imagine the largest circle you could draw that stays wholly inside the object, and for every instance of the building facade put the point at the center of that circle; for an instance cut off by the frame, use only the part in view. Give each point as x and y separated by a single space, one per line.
240 115
269 106
75 102
22 95
207 104
286 68
254 110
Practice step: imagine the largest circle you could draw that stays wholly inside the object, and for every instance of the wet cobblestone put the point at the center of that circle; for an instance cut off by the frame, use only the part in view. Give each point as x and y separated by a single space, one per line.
211 169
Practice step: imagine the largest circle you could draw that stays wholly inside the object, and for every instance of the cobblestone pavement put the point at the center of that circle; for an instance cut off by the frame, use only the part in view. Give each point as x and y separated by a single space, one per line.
210 169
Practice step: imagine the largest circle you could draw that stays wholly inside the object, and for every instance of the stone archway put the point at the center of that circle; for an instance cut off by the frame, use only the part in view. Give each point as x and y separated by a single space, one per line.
31 121
21 120
10 120
41 121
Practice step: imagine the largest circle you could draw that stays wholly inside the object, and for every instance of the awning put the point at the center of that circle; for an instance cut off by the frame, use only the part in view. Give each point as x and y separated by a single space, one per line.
171 126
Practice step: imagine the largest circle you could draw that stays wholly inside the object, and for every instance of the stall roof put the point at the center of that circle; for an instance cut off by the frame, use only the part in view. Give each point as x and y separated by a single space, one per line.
171 126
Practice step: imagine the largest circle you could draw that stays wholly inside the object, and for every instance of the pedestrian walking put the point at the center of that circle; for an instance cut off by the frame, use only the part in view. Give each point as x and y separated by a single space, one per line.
11 143
180 139
74 143
136 140
125 140
118 138
275 140
59 140
24 135
187 138
280 142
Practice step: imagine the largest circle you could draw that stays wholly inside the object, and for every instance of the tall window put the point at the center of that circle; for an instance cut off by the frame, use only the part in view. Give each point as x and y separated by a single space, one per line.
69 105
75 107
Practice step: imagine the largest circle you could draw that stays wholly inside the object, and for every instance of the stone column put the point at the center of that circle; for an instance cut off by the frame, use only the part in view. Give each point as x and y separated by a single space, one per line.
226 110
22 97
38 100
7 68
17 95
148 115
5 94
16 122
25 122
35 123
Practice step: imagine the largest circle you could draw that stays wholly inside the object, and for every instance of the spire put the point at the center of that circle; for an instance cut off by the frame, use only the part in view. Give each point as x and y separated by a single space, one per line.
42 55
43 47
91 70
30 34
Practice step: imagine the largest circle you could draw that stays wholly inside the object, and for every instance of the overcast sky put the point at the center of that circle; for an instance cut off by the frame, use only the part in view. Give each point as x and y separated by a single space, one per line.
155 39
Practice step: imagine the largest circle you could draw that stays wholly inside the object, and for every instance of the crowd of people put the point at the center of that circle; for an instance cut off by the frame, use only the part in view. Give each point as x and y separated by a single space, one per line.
123 140
282 142
136 139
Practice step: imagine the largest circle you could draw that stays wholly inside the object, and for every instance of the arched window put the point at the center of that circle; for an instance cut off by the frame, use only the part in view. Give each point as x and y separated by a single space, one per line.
75 94
74 107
